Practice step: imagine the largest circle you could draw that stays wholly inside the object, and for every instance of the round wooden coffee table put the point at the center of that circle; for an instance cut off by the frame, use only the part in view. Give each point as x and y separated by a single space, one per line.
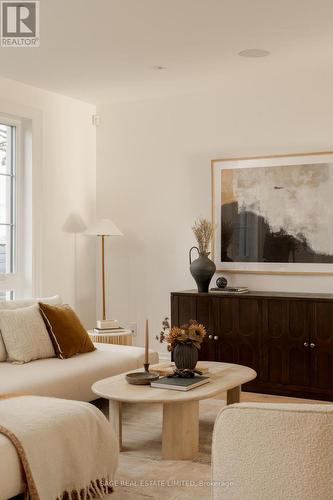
180 434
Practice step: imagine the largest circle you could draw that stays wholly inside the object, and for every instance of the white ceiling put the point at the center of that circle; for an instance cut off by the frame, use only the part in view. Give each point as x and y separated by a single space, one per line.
105 49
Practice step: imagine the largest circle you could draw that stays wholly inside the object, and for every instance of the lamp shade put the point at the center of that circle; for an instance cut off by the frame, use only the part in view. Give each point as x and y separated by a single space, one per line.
103 227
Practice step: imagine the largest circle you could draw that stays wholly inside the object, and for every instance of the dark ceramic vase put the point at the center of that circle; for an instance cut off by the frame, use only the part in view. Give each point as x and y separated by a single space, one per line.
202 270
185 356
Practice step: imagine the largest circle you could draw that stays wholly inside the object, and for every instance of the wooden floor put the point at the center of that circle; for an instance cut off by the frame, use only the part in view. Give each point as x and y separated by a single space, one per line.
268 398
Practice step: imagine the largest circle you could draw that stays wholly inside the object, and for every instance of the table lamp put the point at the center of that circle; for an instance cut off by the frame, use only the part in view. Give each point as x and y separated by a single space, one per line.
103 228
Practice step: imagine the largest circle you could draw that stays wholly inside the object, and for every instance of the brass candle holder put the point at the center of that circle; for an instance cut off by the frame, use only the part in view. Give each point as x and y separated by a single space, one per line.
145 377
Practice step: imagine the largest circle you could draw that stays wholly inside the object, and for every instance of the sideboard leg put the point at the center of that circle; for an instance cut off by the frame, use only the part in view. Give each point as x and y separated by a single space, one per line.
233 395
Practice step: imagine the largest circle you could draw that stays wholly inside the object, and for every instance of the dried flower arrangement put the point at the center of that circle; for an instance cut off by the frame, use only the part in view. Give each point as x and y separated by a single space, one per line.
164 331
191 333
203 231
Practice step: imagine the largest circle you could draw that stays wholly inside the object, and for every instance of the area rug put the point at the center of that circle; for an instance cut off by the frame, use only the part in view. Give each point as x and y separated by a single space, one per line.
142 474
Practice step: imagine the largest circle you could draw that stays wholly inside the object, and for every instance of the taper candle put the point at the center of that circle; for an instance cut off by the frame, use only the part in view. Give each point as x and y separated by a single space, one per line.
147 342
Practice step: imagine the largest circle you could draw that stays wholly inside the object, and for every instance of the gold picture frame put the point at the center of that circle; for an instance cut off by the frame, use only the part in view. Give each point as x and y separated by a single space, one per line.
217 165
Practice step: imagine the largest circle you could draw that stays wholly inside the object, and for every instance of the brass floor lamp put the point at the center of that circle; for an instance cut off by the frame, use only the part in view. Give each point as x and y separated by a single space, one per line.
102 229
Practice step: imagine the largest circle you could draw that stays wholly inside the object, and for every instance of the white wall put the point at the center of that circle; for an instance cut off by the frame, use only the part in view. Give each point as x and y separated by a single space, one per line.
64 184
153 177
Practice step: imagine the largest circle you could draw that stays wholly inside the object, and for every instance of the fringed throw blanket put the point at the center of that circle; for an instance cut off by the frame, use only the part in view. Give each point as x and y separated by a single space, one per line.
67 448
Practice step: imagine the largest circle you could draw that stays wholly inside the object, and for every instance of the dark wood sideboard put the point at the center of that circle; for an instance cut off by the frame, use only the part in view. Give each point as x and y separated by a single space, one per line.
286 337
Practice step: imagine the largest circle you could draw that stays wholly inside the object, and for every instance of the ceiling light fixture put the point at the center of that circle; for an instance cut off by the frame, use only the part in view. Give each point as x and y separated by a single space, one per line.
254 53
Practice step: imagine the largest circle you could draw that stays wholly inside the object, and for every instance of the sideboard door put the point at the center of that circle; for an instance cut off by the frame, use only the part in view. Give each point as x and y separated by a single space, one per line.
237 326
249 333
321 348
224 312
183 308
286 339
204 316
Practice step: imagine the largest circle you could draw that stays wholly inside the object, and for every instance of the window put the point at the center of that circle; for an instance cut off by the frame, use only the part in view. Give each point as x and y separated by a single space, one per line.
8 295
16 208
7 198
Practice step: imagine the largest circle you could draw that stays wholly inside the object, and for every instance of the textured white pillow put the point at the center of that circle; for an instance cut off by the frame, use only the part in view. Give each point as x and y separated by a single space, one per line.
55 300
3 352
24 334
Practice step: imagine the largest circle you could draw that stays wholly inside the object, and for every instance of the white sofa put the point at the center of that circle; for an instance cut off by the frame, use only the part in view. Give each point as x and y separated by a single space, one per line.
267 451
71 378
63 378
68 378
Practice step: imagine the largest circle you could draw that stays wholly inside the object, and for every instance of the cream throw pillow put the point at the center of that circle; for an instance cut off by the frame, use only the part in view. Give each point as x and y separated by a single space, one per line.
18 304
25 335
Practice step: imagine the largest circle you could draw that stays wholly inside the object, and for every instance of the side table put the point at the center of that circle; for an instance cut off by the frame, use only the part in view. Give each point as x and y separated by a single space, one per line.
119 336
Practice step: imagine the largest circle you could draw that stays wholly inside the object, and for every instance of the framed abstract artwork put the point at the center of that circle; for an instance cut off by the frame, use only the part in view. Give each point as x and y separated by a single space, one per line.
274 214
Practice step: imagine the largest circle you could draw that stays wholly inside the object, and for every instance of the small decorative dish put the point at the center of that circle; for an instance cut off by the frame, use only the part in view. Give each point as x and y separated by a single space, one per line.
141 378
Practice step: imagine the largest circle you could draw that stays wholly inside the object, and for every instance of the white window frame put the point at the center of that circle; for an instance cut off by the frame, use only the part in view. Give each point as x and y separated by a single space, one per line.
31 191
12 282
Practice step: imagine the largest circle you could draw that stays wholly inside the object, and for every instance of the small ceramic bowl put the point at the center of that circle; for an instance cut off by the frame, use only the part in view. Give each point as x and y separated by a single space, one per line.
141 378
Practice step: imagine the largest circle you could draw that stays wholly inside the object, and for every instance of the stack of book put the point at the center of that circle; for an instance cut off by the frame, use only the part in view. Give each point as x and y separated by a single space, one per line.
107 326
230 289
179 384
106 331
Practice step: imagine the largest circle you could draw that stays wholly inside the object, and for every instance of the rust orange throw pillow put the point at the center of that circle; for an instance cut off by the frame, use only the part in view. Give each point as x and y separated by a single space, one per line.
67 333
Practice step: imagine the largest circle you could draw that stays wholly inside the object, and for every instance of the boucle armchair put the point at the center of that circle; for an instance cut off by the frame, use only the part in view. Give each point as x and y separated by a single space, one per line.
267 451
